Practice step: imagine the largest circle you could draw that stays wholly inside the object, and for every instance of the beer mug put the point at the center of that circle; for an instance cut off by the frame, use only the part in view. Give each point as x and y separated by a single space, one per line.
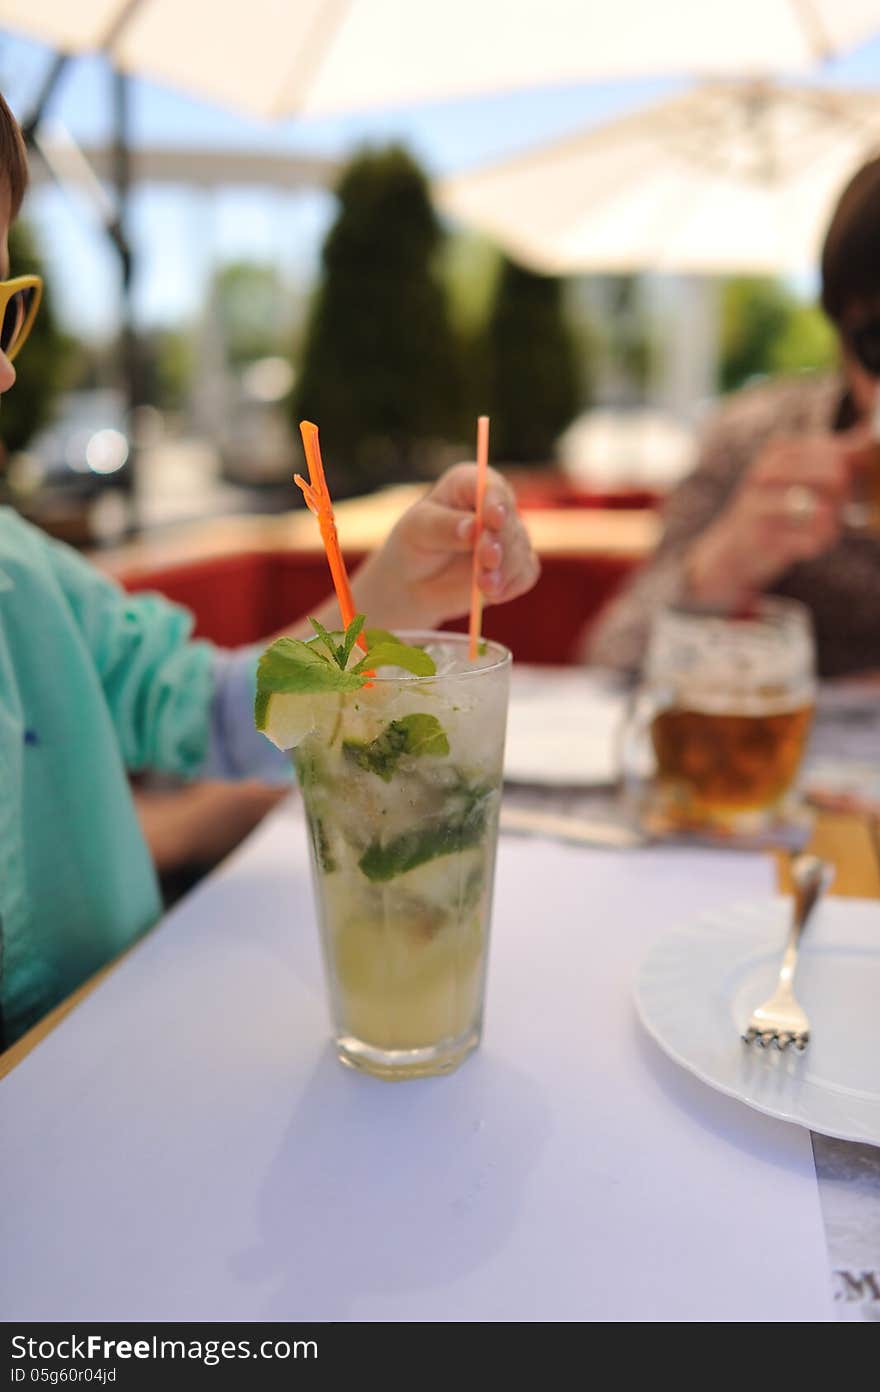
724 709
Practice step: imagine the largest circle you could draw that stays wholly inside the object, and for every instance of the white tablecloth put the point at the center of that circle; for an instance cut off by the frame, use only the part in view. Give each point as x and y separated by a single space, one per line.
185 1145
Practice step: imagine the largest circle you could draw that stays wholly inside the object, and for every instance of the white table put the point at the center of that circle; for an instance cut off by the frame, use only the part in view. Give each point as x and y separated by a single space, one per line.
570 712
185 1145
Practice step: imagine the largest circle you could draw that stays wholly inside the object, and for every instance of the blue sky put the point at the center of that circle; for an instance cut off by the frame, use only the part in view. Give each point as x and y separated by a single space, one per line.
180 235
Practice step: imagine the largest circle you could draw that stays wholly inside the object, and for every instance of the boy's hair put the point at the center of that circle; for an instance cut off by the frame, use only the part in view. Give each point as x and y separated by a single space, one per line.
851 254
13 157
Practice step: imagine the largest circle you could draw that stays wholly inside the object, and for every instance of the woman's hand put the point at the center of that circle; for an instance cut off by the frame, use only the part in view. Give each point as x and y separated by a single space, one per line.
422 575
787 508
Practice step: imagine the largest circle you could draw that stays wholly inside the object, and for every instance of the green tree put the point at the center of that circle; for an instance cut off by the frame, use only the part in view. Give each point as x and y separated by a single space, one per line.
250 307
41 369
532 366
807 341
470 272
766 329
167 367
379 369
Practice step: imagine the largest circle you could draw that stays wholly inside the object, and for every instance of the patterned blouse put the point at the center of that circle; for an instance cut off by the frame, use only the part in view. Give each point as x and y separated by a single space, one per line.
841 587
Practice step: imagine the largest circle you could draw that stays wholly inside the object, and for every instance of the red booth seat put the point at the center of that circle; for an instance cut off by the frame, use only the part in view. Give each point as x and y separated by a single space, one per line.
539 494
247 596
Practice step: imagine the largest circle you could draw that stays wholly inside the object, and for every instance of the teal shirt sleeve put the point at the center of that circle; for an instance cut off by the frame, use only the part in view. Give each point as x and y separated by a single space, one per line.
236 749
158 683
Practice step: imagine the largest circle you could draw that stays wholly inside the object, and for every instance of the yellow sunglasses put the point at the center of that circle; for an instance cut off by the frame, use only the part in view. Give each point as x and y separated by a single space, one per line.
19 302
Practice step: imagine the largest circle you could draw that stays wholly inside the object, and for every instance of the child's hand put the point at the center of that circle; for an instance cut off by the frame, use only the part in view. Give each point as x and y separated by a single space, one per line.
422 575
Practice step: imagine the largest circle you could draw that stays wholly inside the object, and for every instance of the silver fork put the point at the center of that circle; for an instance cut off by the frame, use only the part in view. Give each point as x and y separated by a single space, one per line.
781 1020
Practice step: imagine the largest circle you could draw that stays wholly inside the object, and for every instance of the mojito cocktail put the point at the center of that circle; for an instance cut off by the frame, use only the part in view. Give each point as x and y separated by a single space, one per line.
401 783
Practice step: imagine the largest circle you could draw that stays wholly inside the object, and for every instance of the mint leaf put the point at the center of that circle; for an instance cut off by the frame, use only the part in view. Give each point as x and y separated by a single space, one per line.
380 756
375 636
289 664
352 633
424 734
339 652
378 639
396 654
416 734
440 837
328 639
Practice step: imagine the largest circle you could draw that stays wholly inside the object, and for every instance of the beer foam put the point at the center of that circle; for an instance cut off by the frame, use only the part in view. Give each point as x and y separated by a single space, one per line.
732 667
726 700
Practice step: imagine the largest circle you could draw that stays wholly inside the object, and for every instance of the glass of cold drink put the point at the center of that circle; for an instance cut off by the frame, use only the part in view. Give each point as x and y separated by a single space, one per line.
401 782
727 700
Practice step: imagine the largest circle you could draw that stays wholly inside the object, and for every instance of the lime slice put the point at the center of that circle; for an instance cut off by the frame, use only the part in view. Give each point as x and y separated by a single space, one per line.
286 717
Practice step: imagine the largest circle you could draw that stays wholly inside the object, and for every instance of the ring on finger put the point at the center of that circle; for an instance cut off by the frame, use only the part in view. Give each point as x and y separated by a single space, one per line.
800 503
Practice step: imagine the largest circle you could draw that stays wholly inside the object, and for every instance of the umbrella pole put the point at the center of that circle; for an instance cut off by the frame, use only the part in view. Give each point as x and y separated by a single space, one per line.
129 351
116 230
52 78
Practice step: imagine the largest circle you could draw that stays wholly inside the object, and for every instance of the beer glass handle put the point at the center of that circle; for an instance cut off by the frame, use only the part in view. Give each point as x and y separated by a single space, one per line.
634 759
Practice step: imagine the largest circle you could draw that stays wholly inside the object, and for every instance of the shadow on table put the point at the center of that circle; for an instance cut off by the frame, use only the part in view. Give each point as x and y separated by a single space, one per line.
380 1190
764 1137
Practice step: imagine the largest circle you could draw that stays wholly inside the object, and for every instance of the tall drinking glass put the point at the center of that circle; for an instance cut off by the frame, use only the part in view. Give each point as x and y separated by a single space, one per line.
401 783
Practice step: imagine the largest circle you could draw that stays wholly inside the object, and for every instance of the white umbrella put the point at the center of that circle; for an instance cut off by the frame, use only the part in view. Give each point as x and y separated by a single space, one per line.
729 177
274 57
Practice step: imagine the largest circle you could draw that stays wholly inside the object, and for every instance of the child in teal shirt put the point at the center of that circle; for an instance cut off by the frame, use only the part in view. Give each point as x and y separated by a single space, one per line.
96 683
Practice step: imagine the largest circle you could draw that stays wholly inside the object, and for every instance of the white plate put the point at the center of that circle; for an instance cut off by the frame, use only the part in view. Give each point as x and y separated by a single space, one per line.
697 987
562 728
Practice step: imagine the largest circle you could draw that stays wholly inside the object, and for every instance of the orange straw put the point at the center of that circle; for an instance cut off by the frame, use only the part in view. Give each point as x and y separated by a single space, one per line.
476 596
318 501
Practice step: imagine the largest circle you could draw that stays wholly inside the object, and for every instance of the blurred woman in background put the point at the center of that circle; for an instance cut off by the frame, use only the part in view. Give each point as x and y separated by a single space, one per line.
767 507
